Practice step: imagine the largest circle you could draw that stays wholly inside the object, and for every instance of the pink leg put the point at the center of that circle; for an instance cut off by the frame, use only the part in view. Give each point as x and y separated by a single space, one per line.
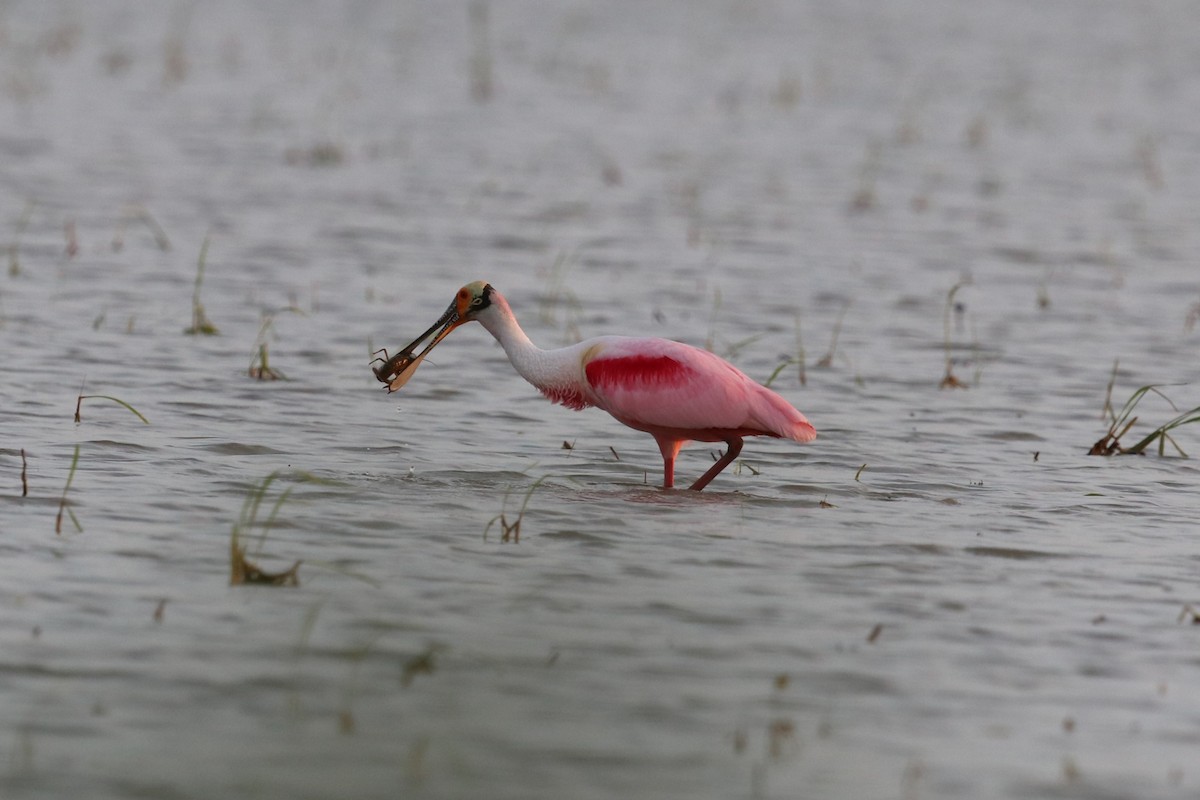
731 452
669 449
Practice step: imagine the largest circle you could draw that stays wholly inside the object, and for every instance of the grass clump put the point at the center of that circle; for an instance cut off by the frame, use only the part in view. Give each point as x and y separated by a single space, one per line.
201 324
511 532
243 571
260 367
1122 421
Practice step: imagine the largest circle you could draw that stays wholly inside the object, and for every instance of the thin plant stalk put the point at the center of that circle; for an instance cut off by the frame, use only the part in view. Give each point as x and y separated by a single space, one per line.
62 503
1107 411
796 359
201 324
260 366
513 532
949 380
14 247
827 360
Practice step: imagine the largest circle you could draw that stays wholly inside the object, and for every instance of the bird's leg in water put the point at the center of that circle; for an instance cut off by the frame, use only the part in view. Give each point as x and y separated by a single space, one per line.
669 449
734 448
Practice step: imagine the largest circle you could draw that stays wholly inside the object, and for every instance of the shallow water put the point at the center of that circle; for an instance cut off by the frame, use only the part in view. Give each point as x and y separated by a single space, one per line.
983 611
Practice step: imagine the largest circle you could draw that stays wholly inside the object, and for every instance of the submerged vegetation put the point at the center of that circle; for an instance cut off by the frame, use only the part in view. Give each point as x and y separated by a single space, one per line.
242 570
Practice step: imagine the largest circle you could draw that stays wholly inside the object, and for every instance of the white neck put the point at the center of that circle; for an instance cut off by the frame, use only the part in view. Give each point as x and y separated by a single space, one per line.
545 369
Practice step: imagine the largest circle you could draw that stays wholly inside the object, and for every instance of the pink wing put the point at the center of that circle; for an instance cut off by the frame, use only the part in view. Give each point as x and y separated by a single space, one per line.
657 384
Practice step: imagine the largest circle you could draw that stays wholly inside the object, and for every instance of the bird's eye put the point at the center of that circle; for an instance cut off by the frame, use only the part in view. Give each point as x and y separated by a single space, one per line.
462 294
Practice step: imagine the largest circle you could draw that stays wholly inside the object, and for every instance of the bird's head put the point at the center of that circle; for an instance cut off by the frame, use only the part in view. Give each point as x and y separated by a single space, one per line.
470 301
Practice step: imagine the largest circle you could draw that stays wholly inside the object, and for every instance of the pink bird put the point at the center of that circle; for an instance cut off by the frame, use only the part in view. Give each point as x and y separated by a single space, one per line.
674 392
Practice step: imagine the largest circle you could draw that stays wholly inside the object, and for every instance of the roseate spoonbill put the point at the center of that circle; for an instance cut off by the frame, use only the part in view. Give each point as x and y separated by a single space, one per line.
674 392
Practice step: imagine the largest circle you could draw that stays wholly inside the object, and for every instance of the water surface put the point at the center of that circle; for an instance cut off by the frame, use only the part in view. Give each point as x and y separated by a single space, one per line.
981 611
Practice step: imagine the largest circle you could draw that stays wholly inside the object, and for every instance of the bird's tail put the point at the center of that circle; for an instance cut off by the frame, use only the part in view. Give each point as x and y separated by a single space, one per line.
803 431
781 418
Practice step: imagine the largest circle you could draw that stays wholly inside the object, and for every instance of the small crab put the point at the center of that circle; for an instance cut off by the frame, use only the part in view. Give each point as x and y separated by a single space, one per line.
396 370
391 366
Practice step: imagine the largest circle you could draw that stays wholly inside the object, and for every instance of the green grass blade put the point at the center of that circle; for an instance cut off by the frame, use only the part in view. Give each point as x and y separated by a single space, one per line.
254 499
118 401
529 494
266 526
62 503
1159 433
71 472
775 374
